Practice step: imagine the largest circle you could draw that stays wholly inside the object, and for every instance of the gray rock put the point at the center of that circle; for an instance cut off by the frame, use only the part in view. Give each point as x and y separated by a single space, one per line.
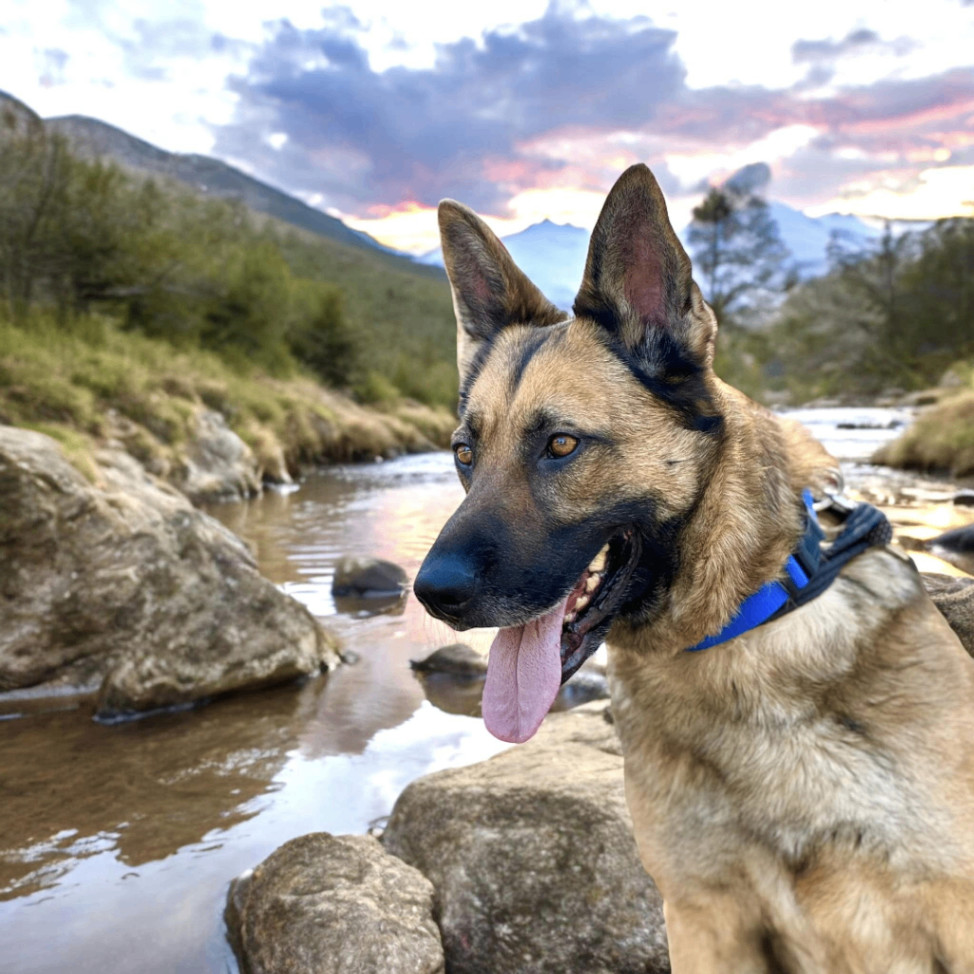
532 857
125 582
964 498
955 547
457 659
368 578
218 465
955 599
325 904
453 677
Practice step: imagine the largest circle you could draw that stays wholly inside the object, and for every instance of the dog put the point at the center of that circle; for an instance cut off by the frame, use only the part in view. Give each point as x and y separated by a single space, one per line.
802 791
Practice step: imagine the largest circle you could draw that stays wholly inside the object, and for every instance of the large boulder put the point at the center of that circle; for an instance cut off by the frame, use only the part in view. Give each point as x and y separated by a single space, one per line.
324 904
124 582
955 599
532 857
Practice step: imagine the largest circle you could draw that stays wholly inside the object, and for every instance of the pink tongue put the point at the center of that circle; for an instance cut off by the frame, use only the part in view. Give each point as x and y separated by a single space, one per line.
523 676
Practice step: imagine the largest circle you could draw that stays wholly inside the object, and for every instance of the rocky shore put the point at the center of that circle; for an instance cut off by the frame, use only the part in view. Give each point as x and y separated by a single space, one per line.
521 864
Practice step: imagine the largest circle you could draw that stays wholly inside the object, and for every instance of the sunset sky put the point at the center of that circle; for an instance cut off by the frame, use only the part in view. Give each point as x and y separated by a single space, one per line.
525 109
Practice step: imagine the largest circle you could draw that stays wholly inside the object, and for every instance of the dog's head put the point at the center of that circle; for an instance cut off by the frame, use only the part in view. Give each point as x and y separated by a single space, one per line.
584 445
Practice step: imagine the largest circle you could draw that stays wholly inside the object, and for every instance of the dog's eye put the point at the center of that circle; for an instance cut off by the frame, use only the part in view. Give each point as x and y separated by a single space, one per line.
562 445
463 453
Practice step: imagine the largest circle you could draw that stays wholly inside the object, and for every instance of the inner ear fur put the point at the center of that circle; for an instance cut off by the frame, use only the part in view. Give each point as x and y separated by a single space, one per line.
638 280
490 291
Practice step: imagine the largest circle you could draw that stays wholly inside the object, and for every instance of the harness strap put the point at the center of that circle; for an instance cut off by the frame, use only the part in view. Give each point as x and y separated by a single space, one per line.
809 570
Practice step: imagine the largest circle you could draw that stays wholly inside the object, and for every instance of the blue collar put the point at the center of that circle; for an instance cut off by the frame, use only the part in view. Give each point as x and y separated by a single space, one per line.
809 570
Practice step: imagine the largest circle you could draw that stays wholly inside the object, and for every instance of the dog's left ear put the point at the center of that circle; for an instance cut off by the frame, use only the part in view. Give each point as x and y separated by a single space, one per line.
638 281
490 291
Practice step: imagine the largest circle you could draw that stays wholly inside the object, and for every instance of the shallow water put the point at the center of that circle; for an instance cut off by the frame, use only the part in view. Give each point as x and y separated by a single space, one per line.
118 842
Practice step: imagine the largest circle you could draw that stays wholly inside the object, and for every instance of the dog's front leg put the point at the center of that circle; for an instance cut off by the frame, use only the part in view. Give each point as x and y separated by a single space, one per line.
726 933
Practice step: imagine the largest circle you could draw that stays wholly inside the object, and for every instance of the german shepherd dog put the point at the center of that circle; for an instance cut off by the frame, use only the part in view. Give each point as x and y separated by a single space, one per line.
803 793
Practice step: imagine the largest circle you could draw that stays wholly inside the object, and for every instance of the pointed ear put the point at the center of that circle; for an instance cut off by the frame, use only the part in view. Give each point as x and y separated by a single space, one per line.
490 291
638 282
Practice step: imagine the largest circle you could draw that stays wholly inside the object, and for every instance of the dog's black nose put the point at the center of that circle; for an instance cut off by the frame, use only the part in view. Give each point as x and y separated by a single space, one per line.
445 584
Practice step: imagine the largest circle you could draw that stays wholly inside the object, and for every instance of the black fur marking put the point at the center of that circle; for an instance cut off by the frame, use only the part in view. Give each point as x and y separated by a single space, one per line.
663 368
476 367
526 352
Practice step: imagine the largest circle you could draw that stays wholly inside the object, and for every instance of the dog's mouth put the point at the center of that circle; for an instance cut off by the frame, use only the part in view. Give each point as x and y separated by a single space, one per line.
596 598
528 663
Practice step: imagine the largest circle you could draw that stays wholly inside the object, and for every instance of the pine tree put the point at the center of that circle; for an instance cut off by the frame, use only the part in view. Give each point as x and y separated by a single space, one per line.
738 254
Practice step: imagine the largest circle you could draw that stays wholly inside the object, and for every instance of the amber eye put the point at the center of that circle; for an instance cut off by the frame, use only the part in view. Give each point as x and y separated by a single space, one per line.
562 444
463 454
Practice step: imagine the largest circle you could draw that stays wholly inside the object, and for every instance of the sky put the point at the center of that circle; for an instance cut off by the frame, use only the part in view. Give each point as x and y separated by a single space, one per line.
525 109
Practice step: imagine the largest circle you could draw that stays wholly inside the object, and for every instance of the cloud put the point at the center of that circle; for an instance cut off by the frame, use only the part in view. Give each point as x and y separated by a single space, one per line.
523 108
365 137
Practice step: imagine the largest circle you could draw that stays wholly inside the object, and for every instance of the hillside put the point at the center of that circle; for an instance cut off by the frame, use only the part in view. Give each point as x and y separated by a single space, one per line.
91 139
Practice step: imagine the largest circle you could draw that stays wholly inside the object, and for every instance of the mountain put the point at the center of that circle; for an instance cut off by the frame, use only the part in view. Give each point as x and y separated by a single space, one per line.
553 254
808 237
92 138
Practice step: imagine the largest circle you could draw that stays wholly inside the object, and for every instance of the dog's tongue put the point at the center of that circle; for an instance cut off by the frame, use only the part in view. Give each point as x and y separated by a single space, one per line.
523 676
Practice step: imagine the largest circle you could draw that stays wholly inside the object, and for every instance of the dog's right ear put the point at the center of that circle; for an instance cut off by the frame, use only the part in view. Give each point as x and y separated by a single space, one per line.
490 291
638 282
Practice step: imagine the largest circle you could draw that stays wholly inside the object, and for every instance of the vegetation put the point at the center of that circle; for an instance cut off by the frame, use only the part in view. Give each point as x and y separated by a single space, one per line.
79 237
738 253
88 381
897 317
940 441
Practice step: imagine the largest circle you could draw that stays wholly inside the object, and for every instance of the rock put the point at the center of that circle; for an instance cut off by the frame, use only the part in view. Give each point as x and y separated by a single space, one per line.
126 583
218 465
532 857
457 659
368 578
453 680
324 904
588 684
955 599
955 547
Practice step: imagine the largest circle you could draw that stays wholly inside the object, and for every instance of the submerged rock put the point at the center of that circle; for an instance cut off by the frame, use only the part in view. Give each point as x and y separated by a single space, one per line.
453 677
532 857
324 904
125 582
457 659
368 578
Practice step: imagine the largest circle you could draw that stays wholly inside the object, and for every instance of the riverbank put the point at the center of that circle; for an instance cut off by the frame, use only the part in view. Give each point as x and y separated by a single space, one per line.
213 430
941 440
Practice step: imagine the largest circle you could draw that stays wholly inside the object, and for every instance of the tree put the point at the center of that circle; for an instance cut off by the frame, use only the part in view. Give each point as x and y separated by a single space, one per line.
738 252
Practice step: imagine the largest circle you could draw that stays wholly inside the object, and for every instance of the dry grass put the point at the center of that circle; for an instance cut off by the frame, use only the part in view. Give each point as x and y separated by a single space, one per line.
91 381
940 441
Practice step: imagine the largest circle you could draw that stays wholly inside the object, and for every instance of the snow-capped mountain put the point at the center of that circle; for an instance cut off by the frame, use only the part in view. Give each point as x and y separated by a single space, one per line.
553 254
807 238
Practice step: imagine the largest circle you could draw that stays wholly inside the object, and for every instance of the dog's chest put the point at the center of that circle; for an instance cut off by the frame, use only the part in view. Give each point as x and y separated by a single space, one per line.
727 756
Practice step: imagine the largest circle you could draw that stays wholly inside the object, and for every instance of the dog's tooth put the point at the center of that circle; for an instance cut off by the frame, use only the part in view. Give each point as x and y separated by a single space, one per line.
581 602
592 583
598 562
569 617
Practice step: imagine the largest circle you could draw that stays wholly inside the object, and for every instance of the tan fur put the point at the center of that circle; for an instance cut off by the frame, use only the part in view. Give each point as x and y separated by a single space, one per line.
802 795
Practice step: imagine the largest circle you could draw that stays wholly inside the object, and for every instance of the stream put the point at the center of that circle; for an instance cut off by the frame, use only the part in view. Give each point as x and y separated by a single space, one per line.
118 842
